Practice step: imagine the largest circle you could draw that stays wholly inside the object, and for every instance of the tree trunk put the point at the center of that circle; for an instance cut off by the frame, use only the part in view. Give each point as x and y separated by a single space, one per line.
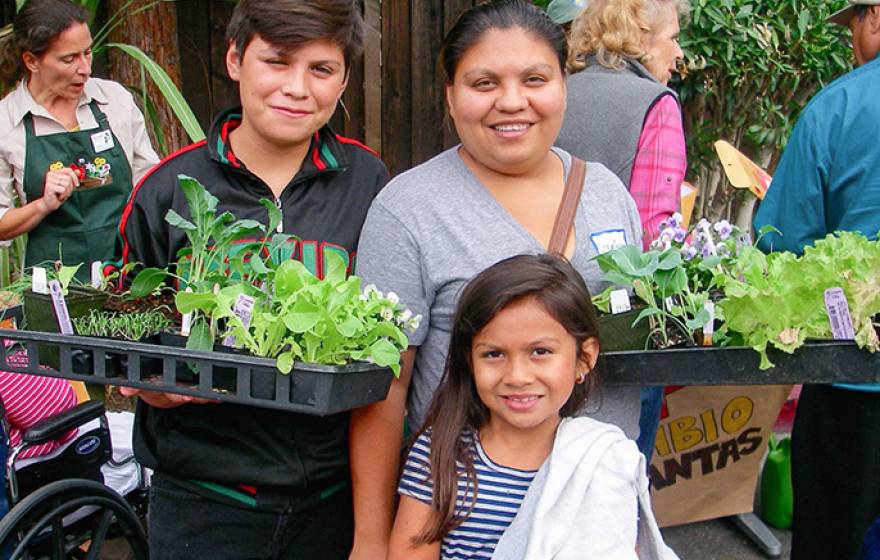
154 31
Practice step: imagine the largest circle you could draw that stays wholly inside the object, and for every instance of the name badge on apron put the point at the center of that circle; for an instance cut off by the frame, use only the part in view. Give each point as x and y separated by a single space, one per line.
102 141
608 240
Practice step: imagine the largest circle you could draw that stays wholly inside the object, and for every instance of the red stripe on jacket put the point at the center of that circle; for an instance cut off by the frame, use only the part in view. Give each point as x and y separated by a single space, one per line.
130 205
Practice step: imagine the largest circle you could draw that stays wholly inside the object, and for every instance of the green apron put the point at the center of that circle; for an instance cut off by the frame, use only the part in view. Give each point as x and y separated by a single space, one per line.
83 229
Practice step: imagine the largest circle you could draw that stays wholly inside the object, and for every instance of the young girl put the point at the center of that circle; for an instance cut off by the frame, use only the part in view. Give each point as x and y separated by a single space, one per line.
496 457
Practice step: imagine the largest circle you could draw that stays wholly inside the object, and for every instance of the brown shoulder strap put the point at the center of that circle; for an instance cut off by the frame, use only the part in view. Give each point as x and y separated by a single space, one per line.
567 206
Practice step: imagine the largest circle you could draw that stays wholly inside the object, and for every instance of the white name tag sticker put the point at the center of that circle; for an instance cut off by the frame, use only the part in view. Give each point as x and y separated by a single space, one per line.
102 141
608 240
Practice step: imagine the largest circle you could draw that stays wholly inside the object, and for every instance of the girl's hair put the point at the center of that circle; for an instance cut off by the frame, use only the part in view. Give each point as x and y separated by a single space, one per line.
36 26
290 24
615 30
475 22
456 408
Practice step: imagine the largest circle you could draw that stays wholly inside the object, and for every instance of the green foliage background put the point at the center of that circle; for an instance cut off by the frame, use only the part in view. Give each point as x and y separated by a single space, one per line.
751 67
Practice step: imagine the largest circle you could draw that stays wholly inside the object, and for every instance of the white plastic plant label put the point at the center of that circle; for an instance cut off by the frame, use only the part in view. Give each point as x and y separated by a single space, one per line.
61 314
243 309
620 301
838 314
186 321
38 281
709 327
97 275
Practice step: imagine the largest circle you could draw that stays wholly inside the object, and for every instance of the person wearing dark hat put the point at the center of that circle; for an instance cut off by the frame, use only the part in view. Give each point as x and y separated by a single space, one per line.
827 181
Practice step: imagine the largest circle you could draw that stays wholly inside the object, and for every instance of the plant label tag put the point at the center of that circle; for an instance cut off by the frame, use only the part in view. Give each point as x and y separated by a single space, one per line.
838 314
186 321
64 324
243 309
38 281
97 275
620 301
102 141
709 327
608 240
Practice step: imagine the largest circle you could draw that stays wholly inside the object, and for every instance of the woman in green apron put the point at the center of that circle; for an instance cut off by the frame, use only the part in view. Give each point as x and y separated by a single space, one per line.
70 145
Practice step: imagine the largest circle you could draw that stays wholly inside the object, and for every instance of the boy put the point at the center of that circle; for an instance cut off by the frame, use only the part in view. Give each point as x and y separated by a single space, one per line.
233 481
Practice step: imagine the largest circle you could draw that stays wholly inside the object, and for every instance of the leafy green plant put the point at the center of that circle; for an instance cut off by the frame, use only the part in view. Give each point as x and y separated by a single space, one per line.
778 299
128 326
303 318
295 316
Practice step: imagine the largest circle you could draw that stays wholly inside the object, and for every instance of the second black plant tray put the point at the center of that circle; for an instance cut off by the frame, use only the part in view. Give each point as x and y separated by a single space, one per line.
818 362
228 377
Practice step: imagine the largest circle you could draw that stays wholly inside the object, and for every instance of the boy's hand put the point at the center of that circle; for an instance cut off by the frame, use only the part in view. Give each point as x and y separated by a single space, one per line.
162 400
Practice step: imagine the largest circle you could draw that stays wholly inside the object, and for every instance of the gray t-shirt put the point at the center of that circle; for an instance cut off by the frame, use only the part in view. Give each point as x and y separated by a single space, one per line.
433 228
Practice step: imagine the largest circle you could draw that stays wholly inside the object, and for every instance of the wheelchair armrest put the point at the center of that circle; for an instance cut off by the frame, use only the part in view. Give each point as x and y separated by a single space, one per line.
55 426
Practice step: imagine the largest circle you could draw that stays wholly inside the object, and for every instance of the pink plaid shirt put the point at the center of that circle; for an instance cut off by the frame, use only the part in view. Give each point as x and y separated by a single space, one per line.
659 166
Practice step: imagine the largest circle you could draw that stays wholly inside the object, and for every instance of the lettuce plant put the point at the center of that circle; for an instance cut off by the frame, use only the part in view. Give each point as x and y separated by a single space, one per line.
778 299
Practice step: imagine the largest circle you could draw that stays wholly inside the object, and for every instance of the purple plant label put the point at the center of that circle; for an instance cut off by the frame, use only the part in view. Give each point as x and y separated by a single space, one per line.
186 321
243 309
64 324
838 314
620 302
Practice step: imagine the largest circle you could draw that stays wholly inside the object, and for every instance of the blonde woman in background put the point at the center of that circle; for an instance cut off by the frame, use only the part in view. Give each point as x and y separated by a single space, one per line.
622 114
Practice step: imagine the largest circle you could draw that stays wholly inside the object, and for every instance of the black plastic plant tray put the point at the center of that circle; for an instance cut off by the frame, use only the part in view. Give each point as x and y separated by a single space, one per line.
222 376
815 363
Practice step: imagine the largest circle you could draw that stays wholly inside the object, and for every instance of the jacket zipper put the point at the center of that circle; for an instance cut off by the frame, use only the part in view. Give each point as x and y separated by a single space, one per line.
280 228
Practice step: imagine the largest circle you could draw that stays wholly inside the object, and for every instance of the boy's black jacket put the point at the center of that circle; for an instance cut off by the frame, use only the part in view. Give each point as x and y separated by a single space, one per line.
325 205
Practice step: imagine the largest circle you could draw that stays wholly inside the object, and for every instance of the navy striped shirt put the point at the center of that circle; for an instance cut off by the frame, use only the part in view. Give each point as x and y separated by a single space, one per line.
500 492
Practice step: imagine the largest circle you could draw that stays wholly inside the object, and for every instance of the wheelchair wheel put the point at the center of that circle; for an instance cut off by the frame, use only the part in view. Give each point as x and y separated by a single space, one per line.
35 527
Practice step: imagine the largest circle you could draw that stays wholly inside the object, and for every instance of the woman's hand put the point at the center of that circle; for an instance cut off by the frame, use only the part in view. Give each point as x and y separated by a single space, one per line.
57 188
162 400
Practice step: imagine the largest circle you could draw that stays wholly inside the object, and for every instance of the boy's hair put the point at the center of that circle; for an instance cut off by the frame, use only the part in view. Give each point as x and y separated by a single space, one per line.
290 24
456 407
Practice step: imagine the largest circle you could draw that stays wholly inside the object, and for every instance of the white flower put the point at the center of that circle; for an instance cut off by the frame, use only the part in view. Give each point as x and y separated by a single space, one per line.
387 313
414 323
677 218
404 316
393 298
371 289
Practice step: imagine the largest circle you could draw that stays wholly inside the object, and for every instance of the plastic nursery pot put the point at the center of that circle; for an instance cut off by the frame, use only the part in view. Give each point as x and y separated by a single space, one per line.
616 332
39 314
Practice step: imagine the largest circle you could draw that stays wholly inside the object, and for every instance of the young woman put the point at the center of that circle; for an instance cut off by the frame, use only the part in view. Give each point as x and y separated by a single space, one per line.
524 344
494 196
58 117
622 114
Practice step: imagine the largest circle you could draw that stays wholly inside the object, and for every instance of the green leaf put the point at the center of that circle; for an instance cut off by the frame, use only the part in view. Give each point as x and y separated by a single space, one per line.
195 301
200 336
284 362
334 268
65 275
172 95
147 280
178 221
275 216
384 353
303 316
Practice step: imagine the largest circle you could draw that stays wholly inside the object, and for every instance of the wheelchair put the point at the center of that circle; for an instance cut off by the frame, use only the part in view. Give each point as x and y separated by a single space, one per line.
59 506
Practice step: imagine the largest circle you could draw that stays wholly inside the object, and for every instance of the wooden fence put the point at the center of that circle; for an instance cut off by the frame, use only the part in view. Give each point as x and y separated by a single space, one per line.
394 100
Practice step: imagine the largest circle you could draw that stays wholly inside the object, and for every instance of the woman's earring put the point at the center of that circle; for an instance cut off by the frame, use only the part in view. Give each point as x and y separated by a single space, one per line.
581 377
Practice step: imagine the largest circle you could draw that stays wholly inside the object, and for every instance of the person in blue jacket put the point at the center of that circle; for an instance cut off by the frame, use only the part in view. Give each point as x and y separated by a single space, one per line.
829 180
